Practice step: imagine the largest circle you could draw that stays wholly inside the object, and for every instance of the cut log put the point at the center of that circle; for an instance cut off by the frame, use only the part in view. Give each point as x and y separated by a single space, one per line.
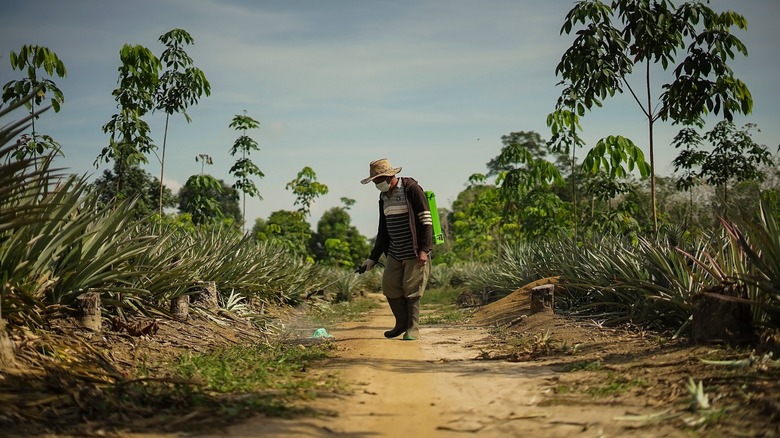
90 311
206 295
543 299
180 307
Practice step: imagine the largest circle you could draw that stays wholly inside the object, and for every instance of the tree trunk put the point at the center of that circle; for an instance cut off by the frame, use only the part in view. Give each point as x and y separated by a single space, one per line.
206 295
162 162
89 311
574 185
485 295
690 206
650 122
543 299
180 307
721 317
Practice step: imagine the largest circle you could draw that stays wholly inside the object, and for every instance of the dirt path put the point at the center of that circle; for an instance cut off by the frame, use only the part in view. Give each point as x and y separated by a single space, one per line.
437 387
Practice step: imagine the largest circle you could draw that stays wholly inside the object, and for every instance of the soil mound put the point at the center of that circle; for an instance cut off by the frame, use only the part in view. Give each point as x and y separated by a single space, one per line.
511 307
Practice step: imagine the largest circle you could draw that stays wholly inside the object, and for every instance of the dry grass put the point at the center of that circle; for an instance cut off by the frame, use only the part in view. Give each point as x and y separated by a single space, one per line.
631 366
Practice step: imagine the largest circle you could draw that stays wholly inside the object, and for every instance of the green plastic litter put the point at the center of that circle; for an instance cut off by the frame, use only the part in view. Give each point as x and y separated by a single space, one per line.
321 333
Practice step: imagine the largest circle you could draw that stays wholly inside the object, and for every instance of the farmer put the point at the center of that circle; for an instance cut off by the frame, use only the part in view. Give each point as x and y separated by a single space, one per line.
405 237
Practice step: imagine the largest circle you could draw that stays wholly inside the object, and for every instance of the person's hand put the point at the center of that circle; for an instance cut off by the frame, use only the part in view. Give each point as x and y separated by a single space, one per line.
422 258
366 266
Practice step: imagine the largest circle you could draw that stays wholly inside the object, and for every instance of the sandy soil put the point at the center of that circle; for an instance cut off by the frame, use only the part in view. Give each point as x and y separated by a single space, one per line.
445 385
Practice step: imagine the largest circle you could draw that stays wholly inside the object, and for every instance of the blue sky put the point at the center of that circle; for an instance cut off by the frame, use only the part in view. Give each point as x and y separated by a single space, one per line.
430 84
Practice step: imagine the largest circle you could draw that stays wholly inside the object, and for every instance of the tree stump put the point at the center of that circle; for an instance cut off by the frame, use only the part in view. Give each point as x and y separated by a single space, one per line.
180 307
89 311
7 354
720 318
543 299
206 295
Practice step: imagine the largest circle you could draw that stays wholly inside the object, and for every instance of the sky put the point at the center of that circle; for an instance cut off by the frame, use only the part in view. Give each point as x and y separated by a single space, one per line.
432 85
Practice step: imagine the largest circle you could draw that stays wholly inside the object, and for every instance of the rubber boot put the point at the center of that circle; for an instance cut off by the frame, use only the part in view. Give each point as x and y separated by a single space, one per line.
401 313
413 331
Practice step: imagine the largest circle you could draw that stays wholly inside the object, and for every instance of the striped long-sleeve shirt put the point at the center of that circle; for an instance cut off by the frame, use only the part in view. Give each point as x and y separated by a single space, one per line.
405 225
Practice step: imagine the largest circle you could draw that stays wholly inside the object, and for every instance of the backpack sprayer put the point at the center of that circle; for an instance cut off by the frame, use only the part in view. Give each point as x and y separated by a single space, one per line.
438 236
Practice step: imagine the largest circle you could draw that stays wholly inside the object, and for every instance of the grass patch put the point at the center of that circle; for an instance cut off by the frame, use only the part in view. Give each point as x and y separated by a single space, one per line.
192 392
501 331
443 316
237 381
440 307
616 386
585 366
261 367
441 296
563 389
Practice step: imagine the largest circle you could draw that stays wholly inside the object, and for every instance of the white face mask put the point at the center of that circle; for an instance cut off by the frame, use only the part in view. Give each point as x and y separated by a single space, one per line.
383 186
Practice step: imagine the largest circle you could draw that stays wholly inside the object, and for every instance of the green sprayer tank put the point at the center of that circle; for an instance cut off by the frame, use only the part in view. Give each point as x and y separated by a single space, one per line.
438 236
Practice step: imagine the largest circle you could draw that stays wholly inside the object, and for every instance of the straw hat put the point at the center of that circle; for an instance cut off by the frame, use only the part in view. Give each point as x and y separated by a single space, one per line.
379 168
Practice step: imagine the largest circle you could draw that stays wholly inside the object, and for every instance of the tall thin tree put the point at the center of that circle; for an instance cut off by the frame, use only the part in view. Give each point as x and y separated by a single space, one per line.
180 86
130 141
244 168
33 59
306 189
